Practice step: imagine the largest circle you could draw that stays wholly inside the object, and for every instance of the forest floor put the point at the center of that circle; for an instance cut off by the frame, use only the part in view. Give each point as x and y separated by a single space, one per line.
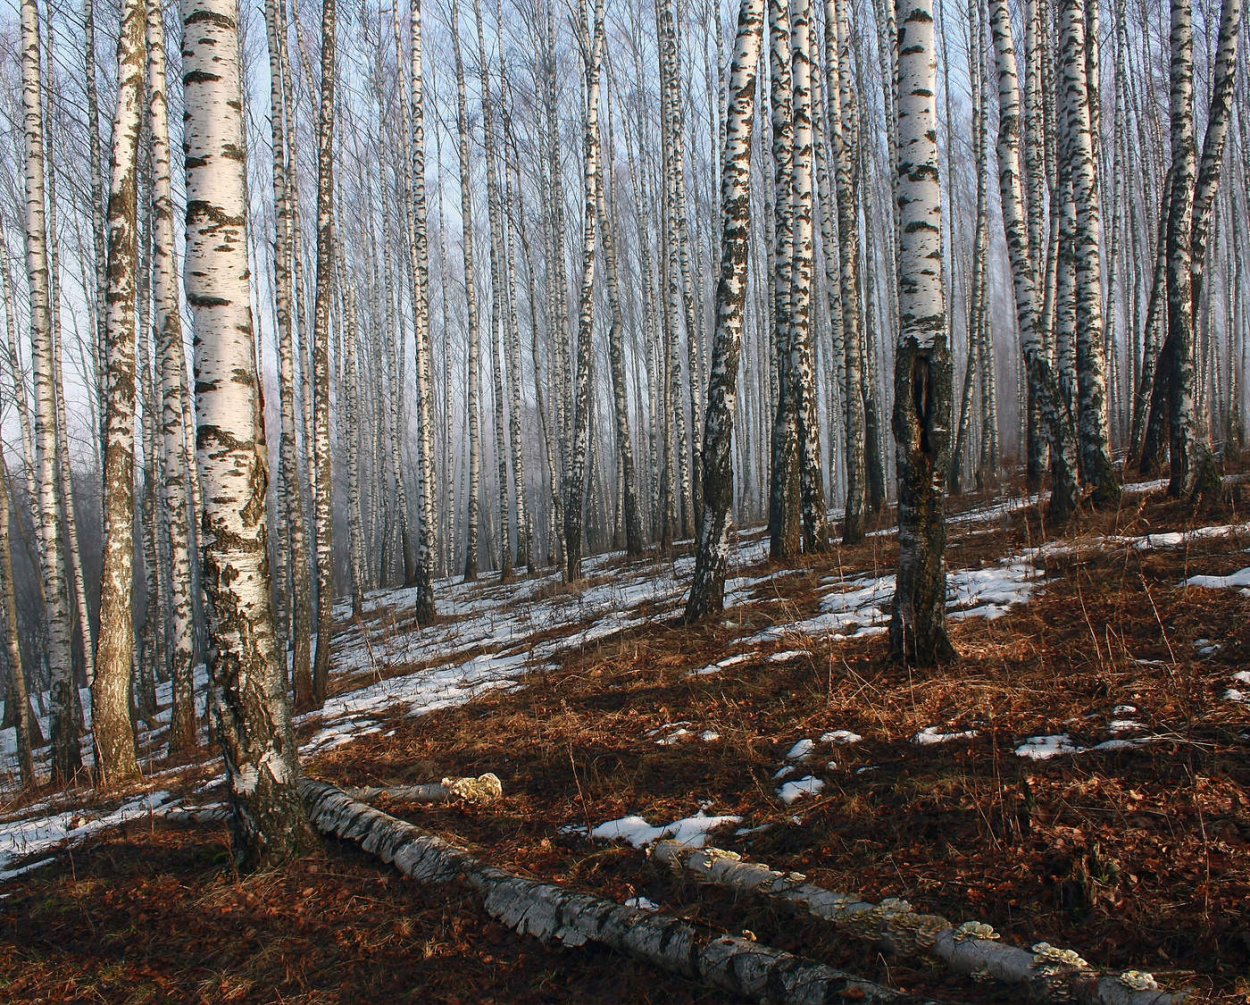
1079 776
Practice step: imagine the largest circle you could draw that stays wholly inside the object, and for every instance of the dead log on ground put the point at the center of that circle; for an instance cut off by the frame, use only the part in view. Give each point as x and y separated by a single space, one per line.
554 914
483 789
1045 974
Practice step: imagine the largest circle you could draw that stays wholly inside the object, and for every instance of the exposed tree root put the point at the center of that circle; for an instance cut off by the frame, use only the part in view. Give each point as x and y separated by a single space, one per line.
553 914
1045 974
482 789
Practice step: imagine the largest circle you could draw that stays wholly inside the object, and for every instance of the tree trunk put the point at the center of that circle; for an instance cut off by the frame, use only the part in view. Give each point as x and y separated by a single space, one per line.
252 717
294 516
1043 385
323 447
922 366
66 754
574 494
707 591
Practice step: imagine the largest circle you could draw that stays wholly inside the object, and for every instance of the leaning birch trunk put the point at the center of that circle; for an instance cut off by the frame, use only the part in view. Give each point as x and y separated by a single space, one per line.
323 448
1095 454
707 591
574 488
66 754
922 363
739 966
470 293
1188 225
284 250
172 362
110 690
1044 975
252 717
1043 384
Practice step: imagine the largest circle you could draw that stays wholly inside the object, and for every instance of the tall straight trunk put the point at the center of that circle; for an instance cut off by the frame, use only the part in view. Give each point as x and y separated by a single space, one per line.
95 166
252 717
922 363
574 494
802 368
620 403
17 703
707 591
294 516
525 531
66 754
110 691
674 261
499 295
171 367
65 472
1043 385
323 448
785 530
470 292
1188 225
349 335
414 118
1080 153
841 120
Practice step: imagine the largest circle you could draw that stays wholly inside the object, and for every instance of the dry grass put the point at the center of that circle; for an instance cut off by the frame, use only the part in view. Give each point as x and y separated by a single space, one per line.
1133 858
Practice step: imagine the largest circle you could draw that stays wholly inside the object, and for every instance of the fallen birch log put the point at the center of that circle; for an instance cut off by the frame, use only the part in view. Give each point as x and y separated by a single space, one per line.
554 914
482 789
1045 974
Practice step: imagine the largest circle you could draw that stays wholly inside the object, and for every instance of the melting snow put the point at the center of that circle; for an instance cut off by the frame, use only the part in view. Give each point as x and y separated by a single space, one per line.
691 831
1239 579
931 735
841 736
807 786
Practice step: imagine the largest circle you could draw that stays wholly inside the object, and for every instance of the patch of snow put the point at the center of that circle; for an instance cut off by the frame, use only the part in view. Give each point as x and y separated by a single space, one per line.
810 785
690 831
1043 748
801 750
1239 579
787 656
841 737
41 834
932 735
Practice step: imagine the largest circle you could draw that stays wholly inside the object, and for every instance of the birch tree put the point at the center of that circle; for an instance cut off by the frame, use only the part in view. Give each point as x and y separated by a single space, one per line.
110 691
707 591
575 481
323 495
922 363
1043 386
66 754
251 714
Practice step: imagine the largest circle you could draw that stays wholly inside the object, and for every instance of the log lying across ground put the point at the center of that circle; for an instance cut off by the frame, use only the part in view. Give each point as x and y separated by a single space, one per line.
554 914
482 789
1045 974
